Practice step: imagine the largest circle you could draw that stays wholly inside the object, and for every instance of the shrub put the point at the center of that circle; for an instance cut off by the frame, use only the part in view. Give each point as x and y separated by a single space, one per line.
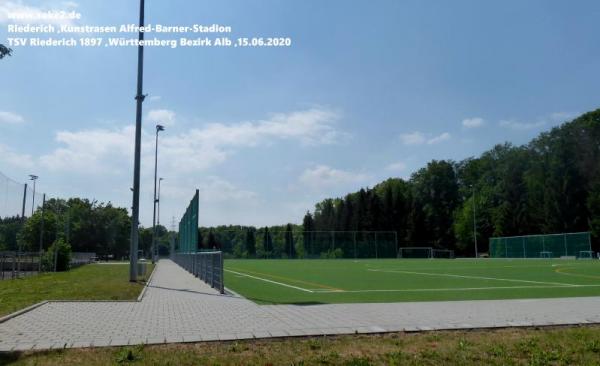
63 256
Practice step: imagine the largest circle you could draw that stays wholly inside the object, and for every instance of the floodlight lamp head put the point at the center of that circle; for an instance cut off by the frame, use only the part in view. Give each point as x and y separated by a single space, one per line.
160 128
33 177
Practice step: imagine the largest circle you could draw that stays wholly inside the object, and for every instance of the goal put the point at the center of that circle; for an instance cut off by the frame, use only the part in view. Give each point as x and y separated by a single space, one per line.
442 253
415 252
586 254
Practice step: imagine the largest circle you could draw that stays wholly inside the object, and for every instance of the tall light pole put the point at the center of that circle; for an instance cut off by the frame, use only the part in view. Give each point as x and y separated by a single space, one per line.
475 222
33 178
135 207
158 209
158 129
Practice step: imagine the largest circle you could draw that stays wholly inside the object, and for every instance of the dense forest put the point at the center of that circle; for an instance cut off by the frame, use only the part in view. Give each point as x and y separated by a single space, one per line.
550 185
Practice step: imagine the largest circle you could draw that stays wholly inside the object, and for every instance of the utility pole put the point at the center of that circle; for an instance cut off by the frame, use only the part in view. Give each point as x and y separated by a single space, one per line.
475 222
153 249
135 210
20 249
42 234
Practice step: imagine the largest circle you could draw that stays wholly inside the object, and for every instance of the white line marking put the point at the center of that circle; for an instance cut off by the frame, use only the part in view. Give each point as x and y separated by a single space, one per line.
270 281
453 289
472 277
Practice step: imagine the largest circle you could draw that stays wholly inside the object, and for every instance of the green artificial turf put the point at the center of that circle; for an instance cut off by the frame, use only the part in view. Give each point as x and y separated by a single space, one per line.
394 280
89 282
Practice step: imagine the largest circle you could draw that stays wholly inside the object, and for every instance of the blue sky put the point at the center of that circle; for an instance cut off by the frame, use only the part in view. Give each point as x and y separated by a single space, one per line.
368 90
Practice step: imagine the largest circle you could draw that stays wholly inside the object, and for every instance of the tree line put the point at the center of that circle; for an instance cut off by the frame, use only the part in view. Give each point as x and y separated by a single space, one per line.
550 185
87 226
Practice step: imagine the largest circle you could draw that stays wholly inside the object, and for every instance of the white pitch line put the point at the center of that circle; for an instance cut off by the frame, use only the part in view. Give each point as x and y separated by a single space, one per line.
473 277
270 281
453 289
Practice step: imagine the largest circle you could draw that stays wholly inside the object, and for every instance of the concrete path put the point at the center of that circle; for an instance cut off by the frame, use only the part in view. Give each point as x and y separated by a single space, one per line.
180 308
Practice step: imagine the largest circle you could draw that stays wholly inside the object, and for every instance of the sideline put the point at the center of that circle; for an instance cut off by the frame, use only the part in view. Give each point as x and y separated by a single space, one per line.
270 281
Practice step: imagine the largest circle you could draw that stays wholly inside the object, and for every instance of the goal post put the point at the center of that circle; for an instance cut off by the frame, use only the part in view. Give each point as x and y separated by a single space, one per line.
415 252
586 254
442 254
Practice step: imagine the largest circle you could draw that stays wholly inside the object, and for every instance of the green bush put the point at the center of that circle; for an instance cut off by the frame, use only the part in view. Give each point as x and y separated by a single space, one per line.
63 256
333 254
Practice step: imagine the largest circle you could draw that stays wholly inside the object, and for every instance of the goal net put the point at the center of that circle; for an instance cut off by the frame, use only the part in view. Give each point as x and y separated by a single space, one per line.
442 253
586 254
415 252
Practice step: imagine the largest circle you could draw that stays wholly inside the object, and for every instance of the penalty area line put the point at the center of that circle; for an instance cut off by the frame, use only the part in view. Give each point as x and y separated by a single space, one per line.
270 281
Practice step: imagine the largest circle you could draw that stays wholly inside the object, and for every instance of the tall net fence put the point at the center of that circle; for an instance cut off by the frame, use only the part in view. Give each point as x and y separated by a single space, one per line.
541 246
18 201
12 194
303 244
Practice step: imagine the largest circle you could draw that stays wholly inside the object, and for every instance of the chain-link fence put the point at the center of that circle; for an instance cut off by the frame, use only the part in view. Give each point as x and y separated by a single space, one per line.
541 246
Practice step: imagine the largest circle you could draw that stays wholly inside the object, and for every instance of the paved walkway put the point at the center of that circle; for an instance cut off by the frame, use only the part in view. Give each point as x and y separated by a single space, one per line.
180 308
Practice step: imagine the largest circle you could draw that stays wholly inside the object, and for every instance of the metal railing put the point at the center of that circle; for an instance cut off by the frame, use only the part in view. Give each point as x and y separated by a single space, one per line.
19 264
207 266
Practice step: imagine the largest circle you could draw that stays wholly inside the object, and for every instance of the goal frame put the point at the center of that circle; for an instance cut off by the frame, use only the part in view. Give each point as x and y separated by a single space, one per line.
428 249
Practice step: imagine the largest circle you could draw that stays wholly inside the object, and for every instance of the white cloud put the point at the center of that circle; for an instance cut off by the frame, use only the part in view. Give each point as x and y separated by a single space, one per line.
10 157
474 122
91 151
28 14
441 138
163 117
211 189
415 138
323 176
397 167
551 119
520 126
197 149
154 98
419 138
11 118
563 116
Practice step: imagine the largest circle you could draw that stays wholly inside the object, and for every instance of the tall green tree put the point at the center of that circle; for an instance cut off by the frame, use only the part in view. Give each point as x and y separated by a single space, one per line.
290 248
308 227
251 242
267 242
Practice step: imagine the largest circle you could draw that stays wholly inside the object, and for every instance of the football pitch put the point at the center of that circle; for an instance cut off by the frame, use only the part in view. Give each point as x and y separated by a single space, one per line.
396 280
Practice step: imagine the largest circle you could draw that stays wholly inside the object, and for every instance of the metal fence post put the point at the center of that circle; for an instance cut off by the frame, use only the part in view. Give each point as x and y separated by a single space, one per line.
222 287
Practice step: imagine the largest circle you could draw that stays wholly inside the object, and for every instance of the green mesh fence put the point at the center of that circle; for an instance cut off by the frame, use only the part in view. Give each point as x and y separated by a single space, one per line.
349 244
188 228
541 246
308 244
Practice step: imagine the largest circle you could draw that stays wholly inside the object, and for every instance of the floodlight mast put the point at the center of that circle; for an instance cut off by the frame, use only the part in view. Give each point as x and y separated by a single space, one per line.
155 201
34 178
135 209
475 222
